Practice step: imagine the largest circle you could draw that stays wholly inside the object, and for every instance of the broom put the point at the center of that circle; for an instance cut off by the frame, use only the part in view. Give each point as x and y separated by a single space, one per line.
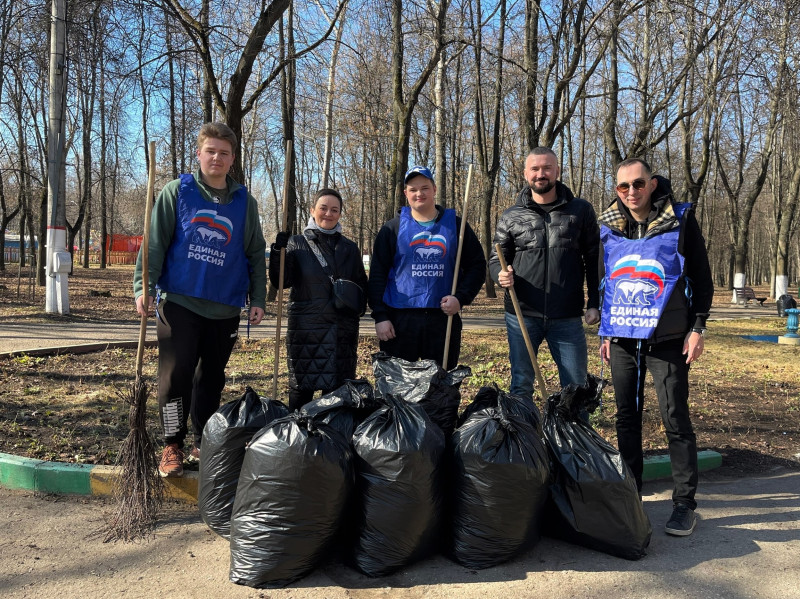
138 489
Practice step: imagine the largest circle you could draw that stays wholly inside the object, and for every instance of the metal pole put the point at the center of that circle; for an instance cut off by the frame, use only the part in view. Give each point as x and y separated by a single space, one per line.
57 297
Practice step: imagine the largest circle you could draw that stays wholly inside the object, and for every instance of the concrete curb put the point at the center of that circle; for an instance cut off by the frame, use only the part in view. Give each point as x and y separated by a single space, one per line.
79 479
87 479
83 348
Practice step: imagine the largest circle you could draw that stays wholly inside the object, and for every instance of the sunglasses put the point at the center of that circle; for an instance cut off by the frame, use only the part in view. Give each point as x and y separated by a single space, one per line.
638 184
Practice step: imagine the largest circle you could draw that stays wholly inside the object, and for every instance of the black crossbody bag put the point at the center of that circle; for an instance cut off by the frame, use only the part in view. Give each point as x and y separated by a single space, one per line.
348 297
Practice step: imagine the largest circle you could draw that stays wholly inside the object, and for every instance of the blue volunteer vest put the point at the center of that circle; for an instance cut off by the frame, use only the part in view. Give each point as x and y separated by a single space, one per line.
641 274
206 258
422 273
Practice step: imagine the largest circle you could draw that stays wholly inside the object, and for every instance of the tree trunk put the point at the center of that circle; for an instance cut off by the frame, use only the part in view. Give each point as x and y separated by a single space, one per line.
440 139
326 165
403 104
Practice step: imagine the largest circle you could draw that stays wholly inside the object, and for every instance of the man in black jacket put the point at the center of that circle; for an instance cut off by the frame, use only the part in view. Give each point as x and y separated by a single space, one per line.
550 240
411 275
657 295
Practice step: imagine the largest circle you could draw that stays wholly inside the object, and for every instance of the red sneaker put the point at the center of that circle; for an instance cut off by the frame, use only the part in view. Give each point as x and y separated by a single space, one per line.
194 455
171 461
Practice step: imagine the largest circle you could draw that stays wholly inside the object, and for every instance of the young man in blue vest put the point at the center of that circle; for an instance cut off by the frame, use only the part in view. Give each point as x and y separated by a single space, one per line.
206 259
411 275
657 295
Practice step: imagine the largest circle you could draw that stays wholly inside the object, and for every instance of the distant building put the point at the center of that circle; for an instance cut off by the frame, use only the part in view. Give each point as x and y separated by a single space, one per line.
11 250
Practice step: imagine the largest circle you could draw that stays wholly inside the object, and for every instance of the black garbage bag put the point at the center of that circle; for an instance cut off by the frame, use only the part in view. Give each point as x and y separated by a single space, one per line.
224 438
295 484
344 408
423 382
594 499
488 397
398 468
501 480
784 303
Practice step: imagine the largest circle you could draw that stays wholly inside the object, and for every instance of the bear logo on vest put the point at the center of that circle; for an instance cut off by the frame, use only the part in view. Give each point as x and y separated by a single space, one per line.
211 233
635 292
208 236
212 229
429 252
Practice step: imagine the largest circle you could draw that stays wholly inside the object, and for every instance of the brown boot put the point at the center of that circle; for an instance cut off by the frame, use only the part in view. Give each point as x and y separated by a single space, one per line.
171 461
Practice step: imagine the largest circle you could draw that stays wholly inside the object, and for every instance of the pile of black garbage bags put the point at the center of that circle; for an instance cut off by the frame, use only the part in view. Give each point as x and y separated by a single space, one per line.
381 477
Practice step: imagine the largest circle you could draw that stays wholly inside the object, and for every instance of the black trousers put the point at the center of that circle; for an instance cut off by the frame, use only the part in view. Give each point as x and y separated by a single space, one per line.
420 335
670 374
192 354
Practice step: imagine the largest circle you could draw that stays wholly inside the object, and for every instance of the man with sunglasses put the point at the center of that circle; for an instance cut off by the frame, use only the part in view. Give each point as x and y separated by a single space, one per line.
550 240
657 295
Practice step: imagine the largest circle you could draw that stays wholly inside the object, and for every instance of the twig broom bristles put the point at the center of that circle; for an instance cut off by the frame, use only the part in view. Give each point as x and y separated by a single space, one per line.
138 488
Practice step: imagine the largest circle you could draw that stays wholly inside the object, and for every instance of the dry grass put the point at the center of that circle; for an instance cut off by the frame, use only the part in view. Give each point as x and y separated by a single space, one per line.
745 394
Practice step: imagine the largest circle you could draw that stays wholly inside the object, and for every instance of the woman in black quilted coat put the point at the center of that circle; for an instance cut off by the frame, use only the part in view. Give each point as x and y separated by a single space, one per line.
321 340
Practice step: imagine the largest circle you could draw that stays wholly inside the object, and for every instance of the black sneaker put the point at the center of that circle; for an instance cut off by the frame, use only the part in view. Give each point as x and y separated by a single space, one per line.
682 521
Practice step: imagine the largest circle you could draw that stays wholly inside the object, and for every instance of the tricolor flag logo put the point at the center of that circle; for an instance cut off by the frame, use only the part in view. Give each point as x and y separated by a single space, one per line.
426 239
212 220
633 267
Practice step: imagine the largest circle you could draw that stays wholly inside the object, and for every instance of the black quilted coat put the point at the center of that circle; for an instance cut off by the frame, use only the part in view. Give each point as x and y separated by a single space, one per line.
321 341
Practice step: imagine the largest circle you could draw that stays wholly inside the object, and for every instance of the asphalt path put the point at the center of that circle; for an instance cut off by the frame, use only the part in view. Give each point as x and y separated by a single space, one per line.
21 335
746 545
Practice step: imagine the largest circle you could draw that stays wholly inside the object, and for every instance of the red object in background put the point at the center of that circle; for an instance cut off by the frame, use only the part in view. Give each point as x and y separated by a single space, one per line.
123 243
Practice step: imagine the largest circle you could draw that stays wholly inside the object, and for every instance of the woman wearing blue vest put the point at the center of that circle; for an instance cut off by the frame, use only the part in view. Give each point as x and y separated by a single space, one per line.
206 258
657 295
321 338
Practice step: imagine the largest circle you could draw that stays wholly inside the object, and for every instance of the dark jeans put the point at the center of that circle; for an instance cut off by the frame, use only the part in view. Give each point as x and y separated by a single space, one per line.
420 335
670 374
567 343
192 354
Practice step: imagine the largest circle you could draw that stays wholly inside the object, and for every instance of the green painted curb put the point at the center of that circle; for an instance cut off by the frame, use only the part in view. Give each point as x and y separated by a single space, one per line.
86 479
45 477
80 479
659 466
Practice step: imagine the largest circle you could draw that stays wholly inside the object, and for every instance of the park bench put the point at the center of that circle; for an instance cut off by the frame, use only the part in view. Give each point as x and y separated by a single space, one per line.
745 294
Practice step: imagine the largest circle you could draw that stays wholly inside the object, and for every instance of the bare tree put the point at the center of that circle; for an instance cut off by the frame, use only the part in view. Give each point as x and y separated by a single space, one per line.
326 163
742 197
486 134
404 101
241 95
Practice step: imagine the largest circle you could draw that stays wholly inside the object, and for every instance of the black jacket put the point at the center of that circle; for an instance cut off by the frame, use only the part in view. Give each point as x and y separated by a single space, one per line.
321 341
552 253
471 275
679 314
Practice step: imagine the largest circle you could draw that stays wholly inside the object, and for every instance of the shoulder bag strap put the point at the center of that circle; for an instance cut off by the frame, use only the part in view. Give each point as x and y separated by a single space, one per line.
320 258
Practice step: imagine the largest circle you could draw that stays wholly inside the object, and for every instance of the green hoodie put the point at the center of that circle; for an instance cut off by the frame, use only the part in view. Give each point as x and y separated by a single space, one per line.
162 230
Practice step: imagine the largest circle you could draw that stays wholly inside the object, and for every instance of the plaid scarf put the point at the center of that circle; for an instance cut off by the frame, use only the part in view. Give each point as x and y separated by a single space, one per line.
615 218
